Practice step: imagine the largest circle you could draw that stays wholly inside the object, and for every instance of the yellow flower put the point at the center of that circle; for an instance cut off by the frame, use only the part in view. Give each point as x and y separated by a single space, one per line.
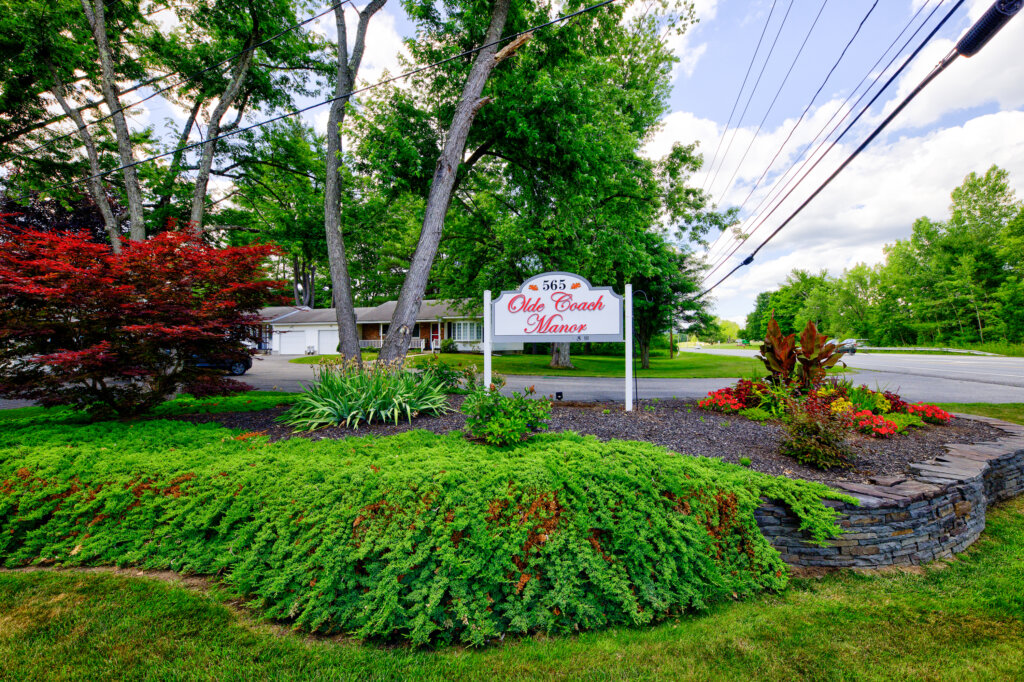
841 405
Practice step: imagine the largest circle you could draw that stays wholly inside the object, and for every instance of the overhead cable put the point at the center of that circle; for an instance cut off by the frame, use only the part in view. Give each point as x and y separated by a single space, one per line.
123 108
343 96
983 30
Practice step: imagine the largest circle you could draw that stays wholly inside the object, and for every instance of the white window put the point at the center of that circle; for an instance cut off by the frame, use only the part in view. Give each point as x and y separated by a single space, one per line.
467 331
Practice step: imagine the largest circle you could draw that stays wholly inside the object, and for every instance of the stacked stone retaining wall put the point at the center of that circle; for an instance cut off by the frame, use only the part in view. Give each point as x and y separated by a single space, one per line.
932 513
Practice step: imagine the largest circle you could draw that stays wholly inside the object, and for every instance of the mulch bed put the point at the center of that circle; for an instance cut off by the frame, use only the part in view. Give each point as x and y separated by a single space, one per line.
678 425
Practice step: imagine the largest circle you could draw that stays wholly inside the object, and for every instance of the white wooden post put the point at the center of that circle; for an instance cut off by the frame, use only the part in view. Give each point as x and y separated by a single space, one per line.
629 347
488 341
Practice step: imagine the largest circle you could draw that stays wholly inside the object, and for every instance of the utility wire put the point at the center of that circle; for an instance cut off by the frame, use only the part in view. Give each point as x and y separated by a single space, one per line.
122 108
350 93
809 105
757 82
780 187
736 102
939 68
771 106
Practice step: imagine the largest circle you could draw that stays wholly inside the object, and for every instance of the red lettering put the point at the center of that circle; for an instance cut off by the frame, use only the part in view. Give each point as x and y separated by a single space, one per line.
522 304
565 303
547 324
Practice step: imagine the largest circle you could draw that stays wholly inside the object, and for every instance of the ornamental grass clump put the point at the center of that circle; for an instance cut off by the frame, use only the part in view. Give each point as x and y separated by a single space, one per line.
417 537
346 394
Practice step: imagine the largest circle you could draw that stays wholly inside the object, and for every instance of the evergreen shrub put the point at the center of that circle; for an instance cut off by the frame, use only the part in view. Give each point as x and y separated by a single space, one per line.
418 537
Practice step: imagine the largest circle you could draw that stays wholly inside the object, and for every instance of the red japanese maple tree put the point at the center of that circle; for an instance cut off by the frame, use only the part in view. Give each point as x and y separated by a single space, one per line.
115 334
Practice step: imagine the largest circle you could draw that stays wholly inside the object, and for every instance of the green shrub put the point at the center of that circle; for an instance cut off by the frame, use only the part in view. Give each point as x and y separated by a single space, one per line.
817 439
745 462
757 414
505 420
243 402
345 394
417 536
904 421
449 346
450 376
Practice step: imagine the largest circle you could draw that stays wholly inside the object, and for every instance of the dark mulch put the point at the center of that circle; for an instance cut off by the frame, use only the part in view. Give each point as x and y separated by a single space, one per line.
678 425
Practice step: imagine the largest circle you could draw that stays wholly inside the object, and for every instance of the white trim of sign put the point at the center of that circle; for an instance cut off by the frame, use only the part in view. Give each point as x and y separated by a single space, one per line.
617 337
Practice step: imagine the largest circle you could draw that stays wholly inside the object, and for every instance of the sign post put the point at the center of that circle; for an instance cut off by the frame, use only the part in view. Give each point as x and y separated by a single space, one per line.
488 341
560 307
629 348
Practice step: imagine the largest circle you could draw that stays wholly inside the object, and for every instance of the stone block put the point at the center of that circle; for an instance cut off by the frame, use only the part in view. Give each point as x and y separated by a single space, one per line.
861 550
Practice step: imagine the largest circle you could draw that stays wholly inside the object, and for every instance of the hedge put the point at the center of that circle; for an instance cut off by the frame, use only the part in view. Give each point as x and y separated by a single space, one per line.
416 536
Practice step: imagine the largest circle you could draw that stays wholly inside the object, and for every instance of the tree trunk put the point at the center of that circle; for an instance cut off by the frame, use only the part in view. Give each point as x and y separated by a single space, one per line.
341 285
396 344
560 358
645 354
213 129
99 195
977 313
166 192
94 13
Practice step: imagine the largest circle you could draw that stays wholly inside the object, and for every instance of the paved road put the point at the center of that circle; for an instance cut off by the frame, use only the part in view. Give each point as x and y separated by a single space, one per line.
937 378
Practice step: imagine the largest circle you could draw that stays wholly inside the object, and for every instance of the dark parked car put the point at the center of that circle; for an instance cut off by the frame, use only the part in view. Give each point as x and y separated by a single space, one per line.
235 367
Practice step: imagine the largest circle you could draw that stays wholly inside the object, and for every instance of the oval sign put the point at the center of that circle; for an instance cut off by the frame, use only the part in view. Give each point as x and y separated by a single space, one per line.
560 307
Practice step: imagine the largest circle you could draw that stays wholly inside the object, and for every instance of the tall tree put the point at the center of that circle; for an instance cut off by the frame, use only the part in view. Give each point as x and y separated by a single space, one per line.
347 71
396 343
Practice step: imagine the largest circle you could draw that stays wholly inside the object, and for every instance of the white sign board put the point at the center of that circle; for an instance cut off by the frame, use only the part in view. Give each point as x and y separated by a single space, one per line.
557 307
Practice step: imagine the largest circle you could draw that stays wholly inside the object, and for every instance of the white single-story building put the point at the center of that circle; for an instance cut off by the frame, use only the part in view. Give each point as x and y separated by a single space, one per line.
299 331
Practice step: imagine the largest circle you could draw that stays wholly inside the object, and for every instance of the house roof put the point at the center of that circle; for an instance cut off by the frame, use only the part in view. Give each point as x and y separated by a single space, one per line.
318 316
429 311
276 312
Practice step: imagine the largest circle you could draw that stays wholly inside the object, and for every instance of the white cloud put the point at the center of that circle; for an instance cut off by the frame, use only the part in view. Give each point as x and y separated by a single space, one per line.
688 59
874 202
993 76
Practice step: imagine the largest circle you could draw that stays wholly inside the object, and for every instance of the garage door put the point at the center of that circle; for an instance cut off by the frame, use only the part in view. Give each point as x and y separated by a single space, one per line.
293 343
328 341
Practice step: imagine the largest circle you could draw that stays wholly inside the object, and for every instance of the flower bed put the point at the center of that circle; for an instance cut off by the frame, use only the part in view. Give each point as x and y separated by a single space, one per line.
820 419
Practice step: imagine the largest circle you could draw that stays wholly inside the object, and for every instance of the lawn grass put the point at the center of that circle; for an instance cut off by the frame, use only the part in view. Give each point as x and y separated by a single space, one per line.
683 366
368 354
1011 412
961 622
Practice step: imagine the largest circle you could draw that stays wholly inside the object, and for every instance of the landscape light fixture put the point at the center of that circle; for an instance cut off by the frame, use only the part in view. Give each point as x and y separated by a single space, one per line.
558 395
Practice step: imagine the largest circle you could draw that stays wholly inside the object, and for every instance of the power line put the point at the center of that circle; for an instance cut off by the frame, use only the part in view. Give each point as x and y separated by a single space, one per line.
809 104
973 40
771 106
786 181
736 102
771 50
356 91
192 77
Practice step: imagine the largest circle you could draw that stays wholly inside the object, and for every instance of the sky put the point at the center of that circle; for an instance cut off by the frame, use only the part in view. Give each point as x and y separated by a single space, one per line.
970 117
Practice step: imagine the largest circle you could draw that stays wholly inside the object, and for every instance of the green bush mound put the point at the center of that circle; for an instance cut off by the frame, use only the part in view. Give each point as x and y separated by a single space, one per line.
416 536
250 401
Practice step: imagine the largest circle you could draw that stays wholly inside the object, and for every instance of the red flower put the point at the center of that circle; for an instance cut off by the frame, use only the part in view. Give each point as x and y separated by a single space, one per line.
873 424
929 413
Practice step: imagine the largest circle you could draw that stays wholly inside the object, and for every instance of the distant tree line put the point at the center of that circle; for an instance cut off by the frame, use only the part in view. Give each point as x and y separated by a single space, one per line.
955 281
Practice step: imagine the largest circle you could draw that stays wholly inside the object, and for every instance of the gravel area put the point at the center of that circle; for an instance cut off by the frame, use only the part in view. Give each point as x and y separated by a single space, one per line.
678 425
